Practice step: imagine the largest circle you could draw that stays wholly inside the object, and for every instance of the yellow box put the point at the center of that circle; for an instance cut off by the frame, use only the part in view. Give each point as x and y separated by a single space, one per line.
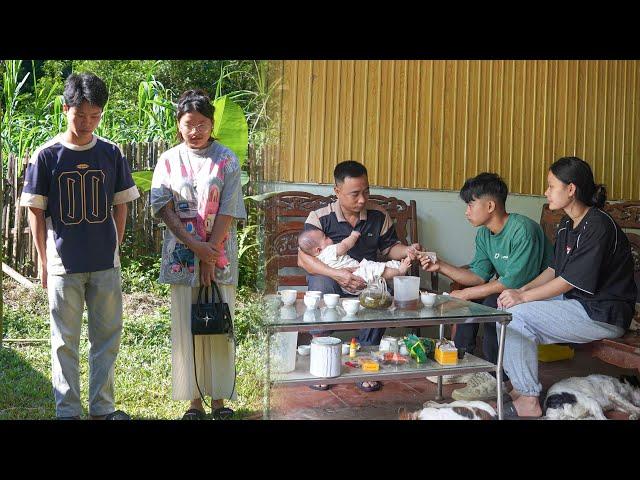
369 366
552 353
446 354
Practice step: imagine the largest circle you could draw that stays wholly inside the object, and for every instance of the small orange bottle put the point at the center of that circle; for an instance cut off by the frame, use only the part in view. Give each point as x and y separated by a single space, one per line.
353 348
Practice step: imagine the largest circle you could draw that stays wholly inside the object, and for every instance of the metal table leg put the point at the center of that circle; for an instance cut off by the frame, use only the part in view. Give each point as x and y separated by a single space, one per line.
266 401
503 330
439 396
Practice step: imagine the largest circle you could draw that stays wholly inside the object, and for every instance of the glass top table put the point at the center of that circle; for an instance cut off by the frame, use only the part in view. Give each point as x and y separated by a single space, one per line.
447 310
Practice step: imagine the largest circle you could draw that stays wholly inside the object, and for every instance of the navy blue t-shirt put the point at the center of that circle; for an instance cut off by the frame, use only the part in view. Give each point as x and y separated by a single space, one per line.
76 186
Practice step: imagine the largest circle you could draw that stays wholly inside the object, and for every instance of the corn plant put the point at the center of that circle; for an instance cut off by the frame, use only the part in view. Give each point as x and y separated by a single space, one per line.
156 111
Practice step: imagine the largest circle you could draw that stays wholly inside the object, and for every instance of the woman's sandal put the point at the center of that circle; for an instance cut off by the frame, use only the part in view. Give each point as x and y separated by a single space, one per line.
509 412
222 413
194 414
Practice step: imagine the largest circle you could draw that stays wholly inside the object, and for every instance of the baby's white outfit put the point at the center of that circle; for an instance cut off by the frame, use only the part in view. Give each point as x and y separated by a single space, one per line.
367 269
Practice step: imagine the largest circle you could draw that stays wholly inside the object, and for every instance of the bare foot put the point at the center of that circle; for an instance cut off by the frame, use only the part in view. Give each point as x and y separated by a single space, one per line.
196 404
527 406
405 265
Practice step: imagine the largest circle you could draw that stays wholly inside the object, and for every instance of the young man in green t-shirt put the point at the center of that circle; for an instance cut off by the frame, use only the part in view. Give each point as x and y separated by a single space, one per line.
508 245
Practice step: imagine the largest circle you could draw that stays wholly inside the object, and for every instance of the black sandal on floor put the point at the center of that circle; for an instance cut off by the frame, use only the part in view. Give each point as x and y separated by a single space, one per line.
117 415
321 387
222 413
370 388
194 414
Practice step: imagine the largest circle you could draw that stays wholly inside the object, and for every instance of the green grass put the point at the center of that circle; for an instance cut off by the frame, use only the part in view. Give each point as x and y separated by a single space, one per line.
143 367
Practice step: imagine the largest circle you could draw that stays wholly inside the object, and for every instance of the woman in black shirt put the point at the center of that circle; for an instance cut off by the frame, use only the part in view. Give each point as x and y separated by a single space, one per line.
588 292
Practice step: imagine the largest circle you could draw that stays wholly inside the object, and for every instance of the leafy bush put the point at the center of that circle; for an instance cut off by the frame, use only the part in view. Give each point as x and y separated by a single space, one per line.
140 271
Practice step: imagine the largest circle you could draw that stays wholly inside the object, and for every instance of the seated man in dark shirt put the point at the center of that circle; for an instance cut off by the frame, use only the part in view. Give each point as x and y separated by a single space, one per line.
377 234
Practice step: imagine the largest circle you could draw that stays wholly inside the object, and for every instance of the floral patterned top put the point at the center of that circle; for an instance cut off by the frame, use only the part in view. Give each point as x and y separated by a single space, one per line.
202 184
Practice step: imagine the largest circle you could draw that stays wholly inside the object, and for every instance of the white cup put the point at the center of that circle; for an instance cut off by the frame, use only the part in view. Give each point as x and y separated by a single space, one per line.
351 306
428 299
304 349
311 301
389 344
345 348
288 296
331 299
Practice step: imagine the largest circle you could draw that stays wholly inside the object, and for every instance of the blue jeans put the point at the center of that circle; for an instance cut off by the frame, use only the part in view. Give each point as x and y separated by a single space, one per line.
556 320
466 334
67 295
366 336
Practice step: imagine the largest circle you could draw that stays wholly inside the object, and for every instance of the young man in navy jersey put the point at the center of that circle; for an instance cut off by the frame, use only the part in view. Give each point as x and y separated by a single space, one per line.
76 187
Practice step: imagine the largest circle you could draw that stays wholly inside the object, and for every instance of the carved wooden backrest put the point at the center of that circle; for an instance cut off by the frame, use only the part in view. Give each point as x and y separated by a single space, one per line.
626 214
285 214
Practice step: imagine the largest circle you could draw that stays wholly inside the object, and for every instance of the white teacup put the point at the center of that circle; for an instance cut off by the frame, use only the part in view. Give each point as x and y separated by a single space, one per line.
351 306
311 301
345 348
304 349
288 296
331 299
428 299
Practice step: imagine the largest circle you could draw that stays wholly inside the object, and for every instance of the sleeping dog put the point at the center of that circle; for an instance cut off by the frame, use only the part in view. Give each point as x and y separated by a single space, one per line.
458 410
589 397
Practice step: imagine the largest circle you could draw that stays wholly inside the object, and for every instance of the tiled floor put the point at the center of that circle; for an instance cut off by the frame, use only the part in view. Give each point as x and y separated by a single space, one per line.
346 402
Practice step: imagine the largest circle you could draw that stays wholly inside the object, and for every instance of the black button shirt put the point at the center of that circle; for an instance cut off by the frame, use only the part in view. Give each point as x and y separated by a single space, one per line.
595 258
377 232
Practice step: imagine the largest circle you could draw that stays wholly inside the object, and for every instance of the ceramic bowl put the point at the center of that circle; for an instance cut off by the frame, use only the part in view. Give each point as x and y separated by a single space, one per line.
428 299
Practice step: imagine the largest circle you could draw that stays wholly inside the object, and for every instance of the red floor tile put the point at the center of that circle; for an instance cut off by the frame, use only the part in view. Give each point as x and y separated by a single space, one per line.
346 401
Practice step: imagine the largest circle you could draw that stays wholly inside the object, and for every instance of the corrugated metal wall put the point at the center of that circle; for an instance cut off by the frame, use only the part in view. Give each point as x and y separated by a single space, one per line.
431 124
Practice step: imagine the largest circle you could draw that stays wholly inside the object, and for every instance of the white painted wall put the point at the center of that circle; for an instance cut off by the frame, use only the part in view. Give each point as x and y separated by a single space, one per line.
442 227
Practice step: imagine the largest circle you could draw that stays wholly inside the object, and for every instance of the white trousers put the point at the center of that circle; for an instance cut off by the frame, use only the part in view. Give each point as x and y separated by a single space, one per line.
215 356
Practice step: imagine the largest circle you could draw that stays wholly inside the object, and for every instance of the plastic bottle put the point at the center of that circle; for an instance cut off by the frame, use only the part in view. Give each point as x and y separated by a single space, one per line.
353 348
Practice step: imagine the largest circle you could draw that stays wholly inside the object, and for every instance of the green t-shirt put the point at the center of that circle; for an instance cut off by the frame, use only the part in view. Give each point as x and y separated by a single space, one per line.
517 254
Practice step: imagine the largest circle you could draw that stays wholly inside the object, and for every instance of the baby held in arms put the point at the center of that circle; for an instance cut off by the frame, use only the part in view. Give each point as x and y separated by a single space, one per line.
334 255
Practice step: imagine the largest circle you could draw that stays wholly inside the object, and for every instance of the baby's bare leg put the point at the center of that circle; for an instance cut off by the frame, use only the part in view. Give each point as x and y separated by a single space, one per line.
389 273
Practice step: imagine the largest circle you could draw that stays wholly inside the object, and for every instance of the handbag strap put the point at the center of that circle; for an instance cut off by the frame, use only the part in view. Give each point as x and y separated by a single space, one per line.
215 290
199 300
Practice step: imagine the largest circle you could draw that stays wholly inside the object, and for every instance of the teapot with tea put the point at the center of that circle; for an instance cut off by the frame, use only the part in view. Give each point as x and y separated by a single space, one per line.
375 294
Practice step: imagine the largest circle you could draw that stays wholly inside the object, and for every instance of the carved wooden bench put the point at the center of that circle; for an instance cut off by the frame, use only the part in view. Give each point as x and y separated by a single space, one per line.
285 213
623 352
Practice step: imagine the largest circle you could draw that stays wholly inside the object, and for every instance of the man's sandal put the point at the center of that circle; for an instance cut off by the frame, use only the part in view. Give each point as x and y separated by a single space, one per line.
320 387
371 388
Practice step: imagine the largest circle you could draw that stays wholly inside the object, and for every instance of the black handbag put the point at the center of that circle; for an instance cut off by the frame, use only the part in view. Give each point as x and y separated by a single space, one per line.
210 317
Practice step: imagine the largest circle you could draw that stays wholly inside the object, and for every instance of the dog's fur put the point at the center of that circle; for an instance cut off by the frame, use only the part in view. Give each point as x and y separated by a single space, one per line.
589 397
458 410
